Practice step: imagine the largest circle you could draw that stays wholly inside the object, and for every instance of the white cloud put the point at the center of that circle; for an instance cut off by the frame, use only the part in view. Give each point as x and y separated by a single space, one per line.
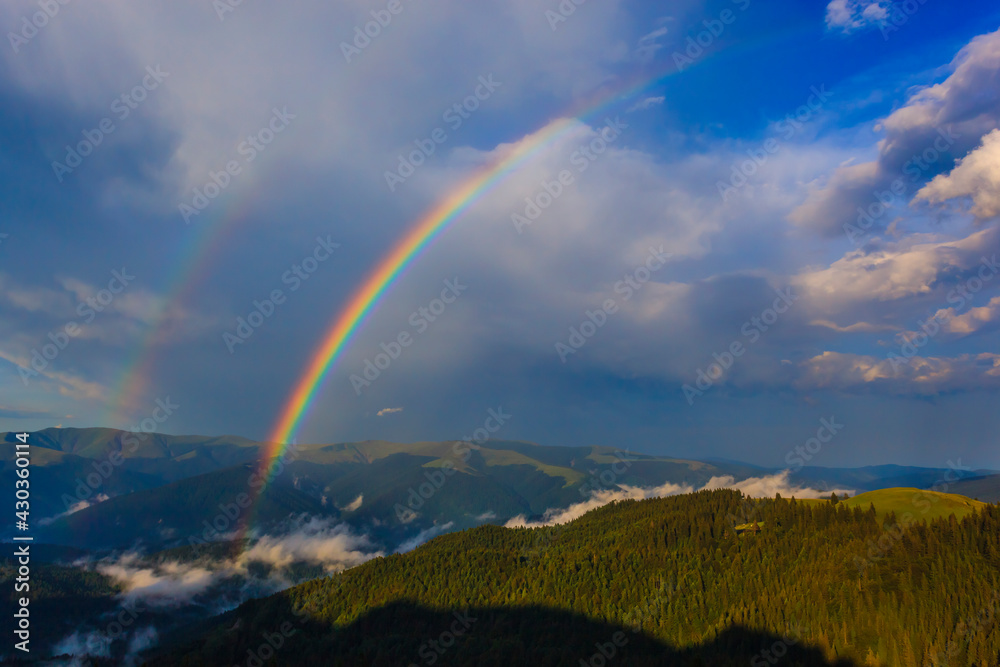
916 265
971 321
75 507
388 411
354 504
79 644
976 176
210 115
423 536
172 584
317 541
769 486
916 376
65 384
857 327
852 15
755 487
649 45
168 585
647 103
938 121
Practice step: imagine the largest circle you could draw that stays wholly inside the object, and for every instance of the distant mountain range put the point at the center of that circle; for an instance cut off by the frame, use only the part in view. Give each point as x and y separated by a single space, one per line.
185 525
102 488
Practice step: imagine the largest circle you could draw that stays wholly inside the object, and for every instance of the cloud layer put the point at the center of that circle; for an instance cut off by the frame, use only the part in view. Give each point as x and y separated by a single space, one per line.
754 487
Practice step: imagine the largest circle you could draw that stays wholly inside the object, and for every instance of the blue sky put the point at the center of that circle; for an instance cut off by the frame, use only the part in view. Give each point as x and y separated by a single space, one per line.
887 83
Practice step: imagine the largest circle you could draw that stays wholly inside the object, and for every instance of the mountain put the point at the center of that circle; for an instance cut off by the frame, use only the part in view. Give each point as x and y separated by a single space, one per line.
660 581
872 478
102 488
186 586
61 595
173 513
985 488
918 503
71 466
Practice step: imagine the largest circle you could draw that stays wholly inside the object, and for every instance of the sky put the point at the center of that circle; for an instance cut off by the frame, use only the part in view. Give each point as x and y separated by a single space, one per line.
756 216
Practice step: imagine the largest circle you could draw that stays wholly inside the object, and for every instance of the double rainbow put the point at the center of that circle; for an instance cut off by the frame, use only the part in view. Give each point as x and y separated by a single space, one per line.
422 233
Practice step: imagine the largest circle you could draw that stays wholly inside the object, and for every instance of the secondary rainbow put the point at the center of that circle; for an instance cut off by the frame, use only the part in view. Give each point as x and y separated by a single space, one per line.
197 254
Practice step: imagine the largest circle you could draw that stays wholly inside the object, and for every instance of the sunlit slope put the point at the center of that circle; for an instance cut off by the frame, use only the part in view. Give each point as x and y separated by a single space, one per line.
673 567
919 503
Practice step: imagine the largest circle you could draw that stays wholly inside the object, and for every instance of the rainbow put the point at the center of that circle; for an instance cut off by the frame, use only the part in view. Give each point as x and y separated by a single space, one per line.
360 305
196 257
425 230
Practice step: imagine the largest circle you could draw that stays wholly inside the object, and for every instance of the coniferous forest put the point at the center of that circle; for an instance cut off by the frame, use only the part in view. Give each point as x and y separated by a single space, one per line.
654 582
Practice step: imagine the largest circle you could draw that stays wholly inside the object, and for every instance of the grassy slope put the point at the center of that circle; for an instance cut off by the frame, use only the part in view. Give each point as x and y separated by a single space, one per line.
919 503
500 457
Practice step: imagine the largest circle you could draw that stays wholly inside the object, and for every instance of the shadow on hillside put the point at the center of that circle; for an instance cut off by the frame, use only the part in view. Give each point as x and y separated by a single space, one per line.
407 634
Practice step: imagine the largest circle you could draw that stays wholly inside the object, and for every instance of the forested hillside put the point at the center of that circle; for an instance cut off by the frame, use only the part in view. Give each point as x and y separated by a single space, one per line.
663 581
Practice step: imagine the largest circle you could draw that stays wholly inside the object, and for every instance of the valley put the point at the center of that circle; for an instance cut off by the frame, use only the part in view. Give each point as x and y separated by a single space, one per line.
186 530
